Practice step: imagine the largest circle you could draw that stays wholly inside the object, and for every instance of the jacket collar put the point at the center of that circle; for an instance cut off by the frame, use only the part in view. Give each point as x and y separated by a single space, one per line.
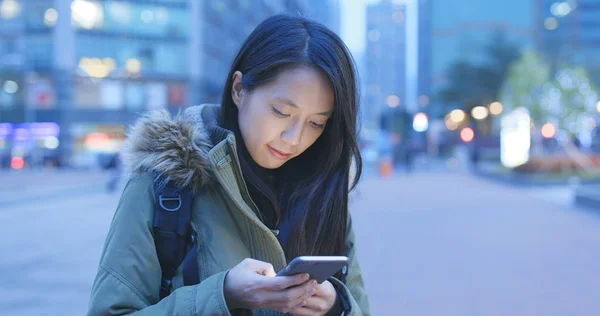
190 149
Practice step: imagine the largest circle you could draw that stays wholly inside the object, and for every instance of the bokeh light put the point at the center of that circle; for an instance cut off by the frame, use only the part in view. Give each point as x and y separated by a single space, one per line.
457 116
17 163
9 9
551 24
393 101
467 134
420 122
479 112
548 130
496 108
50 17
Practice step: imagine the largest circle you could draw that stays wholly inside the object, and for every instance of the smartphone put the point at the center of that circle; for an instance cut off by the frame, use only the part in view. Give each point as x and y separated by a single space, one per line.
320 268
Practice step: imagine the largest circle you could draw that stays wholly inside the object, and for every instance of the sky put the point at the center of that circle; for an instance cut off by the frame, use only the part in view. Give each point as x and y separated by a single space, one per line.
353 20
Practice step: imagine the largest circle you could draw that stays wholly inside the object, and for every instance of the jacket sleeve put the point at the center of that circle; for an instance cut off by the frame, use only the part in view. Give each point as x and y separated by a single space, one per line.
354 290
128 278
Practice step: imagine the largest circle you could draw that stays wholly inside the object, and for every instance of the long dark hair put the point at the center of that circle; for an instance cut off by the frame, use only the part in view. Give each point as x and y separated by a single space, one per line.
312 189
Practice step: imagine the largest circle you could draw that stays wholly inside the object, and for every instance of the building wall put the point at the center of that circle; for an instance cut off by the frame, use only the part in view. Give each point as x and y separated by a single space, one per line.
122 58
573 38
385 59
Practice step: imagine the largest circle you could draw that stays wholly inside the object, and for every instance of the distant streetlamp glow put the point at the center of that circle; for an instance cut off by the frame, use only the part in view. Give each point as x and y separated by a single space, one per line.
420 122
86 14
496 108
479 112
133 65
457 116
548 130
10 87
393 101
467 134
50 17
551 24
9 9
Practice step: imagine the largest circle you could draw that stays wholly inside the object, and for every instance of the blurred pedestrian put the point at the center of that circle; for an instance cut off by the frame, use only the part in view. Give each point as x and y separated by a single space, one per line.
113 167
269 171
409 155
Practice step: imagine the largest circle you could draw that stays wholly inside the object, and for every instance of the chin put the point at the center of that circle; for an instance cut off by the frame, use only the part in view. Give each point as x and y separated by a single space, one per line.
271 164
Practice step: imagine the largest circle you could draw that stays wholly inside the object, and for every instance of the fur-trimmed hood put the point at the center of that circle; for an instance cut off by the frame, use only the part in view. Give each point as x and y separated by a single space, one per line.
173 147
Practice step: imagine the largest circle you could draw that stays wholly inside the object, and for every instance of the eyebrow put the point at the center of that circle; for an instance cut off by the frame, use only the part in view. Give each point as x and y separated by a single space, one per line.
292 104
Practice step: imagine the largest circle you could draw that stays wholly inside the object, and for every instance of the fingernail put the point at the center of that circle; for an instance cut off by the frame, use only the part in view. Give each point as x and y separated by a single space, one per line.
306 276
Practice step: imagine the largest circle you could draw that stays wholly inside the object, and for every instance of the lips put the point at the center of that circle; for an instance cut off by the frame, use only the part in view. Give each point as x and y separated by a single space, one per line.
278 154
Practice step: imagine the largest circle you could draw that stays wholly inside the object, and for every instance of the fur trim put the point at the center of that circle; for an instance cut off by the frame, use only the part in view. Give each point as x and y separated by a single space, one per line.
174 148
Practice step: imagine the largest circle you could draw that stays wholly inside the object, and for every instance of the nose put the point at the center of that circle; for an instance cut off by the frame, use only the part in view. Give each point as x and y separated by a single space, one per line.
293 134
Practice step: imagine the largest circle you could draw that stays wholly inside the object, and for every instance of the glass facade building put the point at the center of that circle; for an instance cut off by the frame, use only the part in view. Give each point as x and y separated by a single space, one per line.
93 65
385 60
570 31
450 31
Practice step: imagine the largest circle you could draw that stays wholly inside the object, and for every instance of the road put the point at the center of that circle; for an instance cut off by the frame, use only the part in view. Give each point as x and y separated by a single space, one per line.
430 243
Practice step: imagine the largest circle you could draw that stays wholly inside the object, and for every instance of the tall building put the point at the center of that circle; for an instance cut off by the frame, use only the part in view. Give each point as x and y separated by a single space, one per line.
385 60
450 31
88 68
569 31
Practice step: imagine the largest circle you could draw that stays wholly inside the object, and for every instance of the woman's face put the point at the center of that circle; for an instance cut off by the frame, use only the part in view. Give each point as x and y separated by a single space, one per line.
280 120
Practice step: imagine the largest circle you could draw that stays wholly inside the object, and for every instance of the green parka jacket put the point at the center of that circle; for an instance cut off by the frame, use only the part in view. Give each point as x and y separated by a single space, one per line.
189 150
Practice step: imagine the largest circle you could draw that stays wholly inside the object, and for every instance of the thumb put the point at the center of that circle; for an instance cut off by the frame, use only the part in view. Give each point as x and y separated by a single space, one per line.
261 267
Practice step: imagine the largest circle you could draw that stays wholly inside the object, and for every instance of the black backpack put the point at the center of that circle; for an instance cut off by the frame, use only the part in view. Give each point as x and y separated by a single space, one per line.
174 237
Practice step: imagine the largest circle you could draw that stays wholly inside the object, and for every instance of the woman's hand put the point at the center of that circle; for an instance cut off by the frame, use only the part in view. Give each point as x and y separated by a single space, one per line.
253 284
320 303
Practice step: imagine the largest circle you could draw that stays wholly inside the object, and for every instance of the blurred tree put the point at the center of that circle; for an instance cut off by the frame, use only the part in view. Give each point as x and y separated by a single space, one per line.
525 85
471 84
571 99
567 99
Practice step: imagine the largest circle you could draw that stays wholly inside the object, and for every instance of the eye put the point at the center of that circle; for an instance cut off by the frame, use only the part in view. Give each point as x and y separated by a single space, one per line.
278 113
317 125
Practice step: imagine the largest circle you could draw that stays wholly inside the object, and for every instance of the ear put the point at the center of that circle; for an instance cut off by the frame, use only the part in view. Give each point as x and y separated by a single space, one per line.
237 92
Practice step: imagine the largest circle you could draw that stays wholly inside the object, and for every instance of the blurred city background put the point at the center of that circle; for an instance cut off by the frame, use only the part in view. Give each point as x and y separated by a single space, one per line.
480 137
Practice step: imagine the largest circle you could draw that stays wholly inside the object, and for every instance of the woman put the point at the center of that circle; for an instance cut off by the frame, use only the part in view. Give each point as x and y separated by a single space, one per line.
270 170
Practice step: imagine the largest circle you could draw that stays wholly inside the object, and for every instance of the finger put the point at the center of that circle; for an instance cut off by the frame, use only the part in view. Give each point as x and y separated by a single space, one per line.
324 289
260 267
287 300
284 282
298 292
316 304
303 311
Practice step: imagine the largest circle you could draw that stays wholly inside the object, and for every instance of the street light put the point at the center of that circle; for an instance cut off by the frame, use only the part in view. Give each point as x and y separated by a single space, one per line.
10 87
467 134
598 107
548 130
393 101
479 112
457 115
9 9
551 24
50 17
496 108
420 122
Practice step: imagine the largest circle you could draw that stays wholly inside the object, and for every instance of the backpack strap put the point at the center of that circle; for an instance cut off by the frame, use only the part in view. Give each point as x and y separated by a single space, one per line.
174 237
